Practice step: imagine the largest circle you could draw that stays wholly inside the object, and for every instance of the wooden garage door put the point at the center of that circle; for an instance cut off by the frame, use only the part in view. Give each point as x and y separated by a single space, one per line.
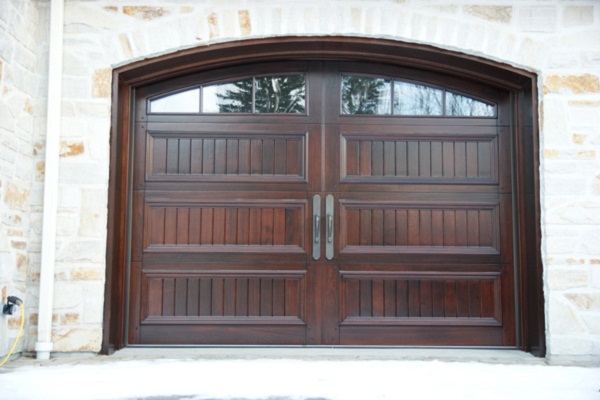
321 203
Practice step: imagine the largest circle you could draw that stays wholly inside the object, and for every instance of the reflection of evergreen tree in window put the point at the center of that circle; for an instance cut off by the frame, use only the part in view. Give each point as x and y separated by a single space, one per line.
363 95
237 97
280 94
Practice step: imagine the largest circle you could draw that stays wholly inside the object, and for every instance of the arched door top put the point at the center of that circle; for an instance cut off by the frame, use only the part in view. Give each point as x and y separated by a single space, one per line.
428 61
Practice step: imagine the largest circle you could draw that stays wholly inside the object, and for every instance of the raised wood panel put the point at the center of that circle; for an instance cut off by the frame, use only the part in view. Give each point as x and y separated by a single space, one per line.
418 158
223 298
225 157
411 298
409 227
253 226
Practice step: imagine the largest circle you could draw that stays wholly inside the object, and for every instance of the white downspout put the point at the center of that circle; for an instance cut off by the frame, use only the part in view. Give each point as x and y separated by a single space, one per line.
43 346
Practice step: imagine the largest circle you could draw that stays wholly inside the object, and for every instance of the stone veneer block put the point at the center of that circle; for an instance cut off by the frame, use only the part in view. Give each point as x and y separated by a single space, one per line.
145 13
578 16
502 14
576 84
538 19
101 83
245 22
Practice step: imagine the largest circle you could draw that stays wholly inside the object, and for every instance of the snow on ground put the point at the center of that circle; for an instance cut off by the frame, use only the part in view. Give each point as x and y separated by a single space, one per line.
296 379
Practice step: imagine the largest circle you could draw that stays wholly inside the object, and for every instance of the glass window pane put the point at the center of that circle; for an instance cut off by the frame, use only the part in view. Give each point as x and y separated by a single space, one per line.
232 97
182 102
462 106
366 95
280 94
412 99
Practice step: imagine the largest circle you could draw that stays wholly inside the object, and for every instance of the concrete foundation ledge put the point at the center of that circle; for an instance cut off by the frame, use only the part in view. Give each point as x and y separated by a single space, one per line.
481 355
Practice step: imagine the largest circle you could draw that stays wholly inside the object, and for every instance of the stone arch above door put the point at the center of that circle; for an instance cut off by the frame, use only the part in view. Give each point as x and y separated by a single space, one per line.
520 84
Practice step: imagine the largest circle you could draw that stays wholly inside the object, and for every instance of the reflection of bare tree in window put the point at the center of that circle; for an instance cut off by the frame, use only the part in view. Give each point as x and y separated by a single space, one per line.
365 95
464 106
280 94
411 99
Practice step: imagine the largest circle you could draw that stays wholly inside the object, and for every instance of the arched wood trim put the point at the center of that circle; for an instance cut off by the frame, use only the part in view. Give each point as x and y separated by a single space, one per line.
521 84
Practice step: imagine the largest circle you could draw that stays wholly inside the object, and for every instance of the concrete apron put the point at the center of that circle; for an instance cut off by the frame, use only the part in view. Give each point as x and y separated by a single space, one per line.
492 356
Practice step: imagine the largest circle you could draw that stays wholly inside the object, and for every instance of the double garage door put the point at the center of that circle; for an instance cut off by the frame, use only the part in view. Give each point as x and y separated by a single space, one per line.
321 203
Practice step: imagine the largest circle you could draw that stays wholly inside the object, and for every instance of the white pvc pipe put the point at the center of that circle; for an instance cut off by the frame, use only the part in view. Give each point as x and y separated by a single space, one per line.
44 346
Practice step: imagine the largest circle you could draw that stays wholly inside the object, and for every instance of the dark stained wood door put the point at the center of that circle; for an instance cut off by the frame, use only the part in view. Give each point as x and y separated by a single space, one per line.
414 225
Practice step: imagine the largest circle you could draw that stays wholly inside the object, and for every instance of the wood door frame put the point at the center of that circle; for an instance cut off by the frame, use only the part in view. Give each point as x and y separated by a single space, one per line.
522 86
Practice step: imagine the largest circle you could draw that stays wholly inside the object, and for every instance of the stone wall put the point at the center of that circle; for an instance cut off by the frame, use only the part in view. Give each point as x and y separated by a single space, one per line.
21 115
556 39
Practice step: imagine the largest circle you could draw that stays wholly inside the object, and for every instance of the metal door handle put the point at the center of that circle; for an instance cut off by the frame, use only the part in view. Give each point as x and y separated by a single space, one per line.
329 209
316 227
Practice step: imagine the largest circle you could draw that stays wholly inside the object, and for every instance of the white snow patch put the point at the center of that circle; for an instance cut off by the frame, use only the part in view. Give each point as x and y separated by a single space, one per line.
293 379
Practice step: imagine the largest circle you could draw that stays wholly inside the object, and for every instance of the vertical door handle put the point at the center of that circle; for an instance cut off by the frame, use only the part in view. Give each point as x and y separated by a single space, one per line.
330 227
316 227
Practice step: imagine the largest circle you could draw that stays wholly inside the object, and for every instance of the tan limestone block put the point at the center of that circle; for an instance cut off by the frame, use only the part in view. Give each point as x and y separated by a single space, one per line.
245 23
111 9
15 197
22 262
19 245
69 319
584 103
186 10
77 339
101 83
567 279
125 45
145 13
86 274
585 301
213 25
551 153
502 14
589 154
15 321
579 138
28 107
40 171
577 84
70 149
37 148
